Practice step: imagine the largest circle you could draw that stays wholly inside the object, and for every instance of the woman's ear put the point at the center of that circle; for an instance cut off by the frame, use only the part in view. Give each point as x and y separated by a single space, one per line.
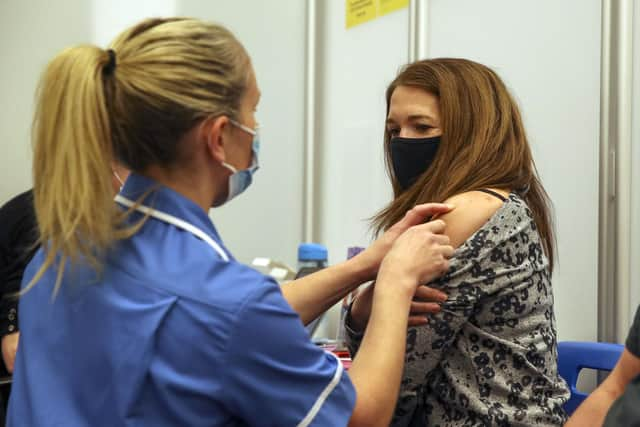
216 133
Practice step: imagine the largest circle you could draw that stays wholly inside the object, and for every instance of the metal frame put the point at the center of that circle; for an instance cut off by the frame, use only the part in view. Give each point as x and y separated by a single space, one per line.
309 229
418 25
614 262
624 95
606 227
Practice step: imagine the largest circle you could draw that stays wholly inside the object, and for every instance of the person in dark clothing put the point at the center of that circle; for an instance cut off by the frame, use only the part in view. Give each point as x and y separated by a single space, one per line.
616 402
18 240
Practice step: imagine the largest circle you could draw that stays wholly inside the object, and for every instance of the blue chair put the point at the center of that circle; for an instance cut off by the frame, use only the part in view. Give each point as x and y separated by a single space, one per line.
573 356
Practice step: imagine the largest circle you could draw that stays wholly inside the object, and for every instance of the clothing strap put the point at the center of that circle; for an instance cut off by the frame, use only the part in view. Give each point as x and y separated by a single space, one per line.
177 222
493 193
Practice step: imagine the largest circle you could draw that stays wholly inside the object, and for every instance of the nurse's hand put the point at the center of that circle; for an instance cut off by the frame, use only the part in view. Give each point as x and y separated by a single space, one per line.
372 257
418 256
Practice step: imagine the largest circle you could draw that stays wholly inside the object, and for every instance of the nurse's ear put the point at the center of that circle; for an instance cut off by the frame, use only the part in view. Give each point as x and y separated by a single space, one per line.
216 133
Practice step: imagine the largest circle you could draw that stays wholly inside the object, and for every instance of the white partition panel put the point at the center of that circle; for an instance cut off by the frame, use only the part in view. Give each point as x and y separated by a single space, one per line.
31 32
356 66
111 17
267 219
548 53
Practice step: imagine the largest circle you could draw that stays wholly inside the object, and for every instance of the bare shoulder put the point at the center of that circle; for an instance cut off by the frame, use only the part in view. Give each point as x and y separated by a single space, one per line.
472 210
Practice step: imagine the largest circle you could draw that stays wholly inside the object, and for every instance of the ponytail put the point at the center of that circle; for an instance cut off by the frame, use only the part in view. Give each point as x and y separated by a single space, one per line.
171 74
72 161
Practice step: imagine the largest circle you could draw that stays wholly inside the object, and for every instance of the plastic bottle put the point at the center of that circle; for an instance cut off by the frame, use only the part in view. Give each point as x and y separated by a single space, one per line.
311 257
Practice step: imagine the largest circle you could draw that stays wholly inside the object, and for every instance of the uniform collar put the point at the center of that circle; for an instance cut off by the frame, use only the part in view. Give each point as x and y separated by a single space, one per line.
166 200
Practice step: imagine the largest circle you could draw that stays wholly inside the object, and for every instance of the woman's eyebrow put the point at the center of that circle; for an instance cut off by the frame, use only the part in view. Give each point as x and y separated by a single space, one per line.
420 116
413 117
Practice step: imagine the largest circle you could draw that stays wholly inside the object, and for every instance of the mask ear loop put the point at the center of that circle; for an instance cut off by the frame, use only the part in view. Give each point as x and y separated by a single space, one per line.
224 164
252 132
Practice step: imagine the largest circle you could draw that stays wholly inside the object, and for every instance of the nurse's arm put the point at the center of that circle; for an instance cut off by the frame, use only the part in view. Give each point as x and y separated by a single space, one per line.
377 367
594 409
314 294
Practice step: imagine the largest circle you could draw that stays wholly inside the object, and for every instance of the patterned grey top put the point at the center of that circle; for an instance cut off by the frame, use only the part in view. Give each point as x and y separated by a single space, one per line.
489 357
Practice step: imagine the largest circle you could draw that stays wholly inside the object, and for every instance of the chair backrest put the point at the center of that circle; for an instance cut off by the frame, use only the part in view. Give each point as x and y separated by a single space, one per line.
573 356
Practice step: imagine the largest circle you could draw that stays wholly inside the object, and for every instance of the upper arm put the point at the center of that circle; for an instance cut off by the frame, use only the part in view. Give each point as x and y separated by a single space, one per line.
473 210
276 375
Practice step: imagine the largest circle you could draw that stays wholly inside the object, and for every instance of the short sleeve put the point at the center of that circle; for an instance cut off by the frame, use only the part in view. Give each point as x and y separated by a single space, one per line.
276 376
624 411
633 339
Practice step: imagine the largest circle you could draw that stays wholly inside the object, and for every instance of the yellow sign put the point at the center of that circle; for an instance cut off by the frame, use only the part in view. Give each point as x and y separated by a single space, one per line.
361 11
388 6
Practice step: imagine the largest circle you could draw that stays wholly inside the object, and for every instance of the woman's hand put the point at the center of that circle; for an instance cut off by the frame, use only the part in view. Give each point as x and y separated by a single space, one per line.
372 257
426 301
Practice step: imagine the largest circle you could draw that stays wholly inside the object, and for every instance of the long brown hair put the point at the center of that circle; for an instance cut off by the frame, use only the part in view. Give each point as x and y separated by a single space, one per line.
132 104
483 143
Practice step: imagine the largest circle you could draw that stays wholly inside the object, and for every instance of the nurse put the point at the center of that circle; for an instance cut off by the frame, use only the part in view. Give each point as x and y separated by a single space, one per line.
134 312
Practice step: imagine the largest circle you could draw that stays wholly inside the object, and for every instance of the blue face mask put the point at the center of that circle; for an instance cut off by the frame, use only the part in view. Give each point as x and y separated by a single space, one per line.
240 180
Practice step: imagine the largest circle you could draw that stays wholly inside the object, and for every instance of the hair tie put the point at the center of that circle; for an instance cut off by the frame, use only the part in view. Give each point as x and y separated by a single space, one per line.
111 65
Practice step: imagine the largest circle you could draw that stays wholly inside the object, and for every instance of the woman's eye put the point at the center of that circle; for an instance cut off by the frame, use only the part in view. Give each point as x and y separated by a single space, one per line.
423 128
393 132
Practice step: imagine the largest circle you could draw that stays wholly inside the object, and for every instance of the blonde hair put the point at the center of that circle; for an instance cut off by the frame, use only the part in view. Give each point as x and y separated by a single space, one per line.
483 143
131 104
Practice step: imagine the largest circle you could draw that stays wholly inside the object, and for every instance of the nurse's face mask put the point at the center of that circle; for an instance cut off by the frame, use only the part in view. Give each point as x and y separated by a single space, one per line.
240 180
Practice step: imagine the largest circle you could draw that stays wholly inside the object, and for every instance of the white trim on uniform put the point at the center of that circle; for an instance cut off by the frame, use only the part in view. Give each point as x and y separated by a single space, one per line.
306 421
170 219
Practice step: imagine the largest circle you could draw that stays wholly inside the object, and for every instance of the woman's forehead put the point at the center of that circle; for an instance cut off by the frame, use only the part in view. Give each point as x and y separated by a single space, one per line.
412 101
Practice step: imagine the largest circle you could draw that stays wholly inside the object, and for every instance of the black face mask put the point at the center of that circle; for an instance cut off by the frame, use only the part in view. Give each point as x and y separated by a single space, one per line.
411 157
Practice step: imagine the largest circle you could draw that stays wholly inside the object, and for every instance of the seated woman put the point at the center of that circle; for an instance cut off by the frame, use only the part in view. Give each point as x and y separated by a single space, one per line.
454 134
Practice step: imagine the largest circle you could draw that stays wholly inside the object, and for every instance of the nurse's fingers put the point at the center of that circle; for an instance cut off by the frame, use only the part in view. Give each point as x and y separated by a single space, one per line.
419 213
436 226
